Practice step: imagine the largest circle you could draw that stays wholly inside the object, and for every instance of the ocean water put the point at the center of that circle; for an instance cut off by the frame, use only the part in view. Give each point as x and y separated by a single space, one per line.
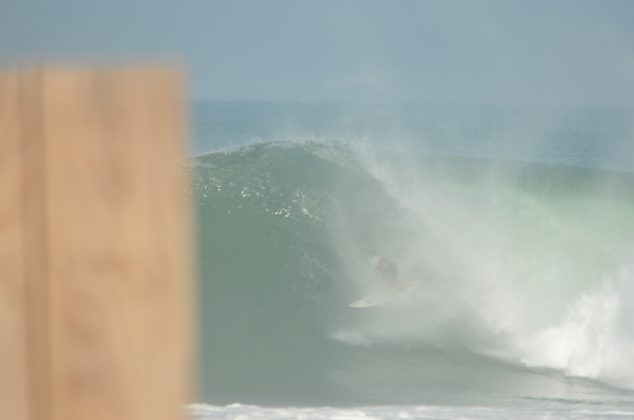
516 222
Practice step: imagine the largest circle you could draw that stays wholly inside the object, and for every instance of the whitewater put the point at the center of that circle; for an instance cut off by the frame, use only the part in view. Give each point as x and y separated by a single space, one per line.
522 241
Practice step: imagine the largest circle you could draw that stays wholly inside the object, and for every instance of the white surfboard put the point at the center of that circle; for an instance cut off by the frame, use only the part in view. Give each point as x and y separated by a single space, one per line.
383 298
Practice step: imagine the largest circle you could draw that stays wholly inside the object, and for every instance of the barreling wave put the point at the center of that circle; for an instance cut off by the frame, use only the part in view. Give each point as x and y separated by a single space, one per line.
524 271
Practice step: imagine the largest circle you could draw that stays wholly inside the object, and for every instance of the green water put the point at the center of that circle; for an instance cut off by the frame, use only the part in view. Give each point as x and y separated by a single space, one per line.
507 255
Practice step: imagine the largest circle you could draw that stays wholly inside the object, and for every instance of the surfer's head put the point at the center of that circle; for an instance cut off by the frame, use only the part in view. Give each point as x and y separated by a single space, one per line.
382 264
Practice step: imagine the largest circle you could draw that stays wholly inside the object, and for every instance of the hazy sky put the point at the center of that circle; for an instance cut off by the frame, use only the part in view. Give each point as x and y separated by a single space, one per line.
504 51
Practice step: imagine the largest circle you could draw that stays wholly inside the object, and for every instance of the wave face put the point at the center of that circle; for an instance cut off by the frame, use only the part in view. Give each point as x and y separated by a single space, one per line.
525 273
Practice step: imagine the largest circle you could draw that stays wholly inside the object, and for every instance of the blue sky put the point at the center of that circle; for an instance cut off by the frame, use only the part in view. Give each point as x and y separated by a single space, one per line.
470 51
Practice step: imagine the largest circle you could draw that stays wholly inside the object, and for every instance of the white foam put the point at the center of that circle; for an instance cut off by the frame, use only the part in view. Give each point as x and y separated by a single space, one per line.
551 411
594 338
526 306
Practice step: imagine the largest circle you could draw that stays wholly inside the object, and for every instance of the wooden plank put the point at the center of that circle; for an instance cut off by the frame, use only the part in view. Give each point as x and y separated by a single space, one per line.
13 402
119 244
96 297
36 284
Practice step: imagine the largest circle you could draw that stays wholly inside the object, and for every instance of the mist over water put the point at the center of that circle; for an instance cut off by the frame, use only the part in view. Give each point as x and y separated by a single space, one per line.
523 250
589 136
528 263
514 219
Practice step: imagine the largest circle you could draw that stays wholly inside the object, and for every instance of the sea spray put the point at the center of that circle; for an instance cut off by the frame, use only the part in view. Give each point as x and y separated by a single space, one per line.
593 338
529 266
504 252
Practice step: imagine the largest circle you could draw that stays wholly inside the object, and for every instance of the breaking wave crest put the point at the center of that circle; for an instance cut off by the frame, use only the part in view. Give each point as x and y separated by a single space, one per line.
524 273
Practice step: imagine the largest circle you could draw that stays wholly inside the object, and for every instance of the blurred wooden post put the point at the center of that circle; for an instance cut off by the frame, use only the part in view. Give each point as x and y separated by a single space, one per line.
13 374
96 291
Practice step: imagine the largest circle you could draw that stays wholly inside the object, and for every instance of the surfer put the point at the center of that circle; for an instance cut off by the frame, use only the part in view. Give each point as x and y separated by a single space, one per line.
389 273
395 287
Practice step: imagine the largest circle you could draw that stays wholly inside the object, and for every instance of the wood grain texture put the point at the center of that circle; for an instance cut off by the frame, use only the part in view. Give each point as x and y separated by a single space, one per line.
119 273
106 218
13 379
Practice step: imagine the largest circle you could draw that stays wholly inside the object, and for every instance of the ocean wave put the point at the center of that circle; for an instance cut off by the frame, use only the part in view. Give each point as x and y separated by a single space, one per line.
523 269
